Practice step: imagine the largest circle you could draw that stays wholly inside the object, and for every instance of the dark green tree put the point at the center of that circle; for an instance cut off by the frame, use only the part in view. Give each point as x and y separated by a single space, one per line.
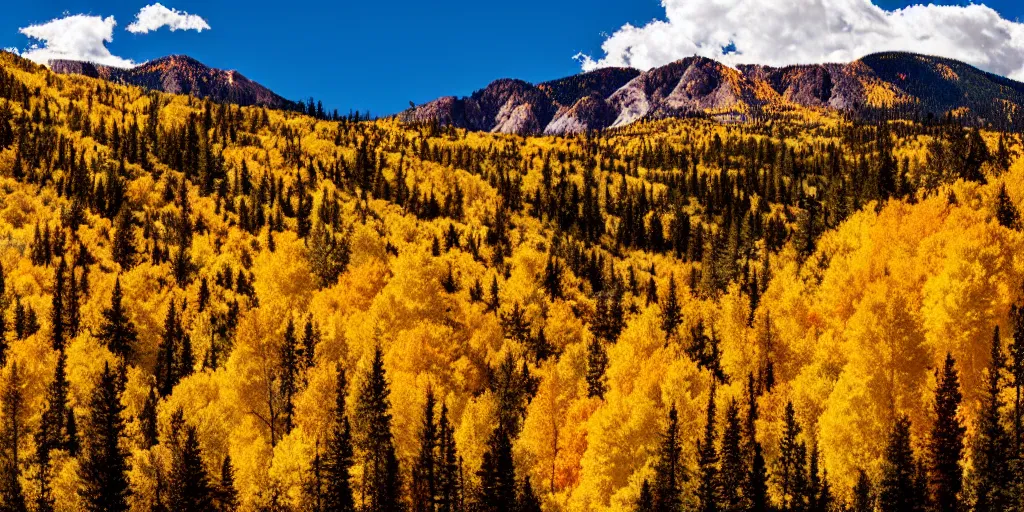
863 494
123 248
671 312
424 483
898 490
734 471
708 490
338 458
104 468
117 330
528 501
12 430
669 472
449 481
946 443
597 364
992 443
497 475
382 481
227 495
189 487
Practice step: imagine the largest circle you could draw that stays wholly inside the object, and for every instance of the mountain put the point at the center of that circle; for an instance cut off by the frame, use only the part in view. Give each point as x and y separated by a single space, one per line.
882 85
179 74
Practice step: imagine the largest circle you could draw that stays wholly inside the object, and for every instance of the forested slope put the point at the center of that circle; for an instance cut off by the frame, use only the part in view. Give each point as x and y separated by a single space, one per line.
215 307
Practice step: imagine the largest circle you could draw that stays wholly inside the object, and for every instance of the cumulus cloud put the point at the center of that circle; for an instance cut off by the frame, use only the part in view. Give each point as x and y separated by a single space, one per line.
782 32
153 17
78 37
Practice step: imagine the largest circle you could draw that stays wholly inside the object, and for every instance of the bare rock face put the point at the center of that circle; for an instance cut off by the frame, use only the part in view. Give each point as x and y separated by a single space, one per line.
179 74
588 114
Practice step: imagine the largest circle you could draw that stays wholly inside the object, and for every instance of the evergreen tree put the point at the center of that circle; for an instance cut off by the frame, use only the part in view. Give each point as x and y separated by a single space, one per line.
734 468
227 495
424 484
863 494
898 490
1006 212
946 444
645 502
12 430
57 332
382 482
288 375
790 467
528 501
671 312
53 424
597 363
708 491
148 420
123 248
189 488
755 485
117 331
449 482
670 474
991 444
338 460
497 475
104 470
167 363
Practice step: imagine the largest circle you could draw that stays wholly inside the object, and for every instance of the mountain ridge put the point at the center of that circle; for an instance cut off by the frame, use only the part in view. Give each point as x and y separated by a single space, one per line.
881 85
181 74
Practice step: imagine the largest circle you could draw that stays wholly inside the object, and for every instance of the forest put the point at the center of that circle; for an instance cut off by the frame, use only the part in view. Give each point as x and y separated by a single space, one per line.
212 307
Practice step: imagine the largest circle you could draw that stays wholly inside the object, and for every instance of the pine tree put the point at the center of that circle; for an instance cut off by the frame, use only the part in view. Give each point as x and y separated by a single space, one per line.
708 491
117 331
57 333
497 475
148 420
670 474
991 444
528 501
104 470
671 313
734 468
645 501
863 494
946 444
53 424
338 457
1006 212
189 488
12 430
449 482
289 375
123 248
755 485
597 363
898 489
424 484
380 464
167 353
789 460
227 495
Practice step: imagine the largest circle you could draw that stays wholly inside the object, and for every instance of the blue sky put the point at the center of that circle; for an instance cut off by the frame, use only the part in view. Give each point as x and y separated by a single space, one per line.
381 55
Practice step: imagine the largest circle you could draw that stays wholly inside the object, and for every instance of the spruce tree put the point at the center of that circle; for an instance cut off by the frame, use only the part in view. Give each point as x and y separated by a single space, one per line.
424 484
189 488
497 475
707 461
338 459
104 468
288 375
733 473
863 494
528 501
227 495
12 430
148 420
597 363
898 490
380 463
116 330
992 444
449 481
946 443
123 248
645 501
671 312
790 467
57 327
670 474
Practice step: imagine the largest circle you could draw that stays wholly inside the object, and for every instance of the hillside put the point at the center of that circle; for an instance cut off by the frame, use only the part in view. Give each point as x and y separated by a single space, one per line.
880 86
273 311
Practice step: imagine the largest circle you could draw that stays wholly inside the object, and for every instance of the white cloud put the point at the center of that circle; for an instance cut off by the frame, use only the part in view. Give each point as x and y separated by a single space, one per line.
782 32
153 17
78 37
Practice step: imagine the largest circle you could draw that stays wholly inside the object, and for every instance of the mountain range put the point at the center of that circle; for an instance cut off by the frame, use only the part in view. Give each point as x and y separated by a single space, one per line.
890 85
882 85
